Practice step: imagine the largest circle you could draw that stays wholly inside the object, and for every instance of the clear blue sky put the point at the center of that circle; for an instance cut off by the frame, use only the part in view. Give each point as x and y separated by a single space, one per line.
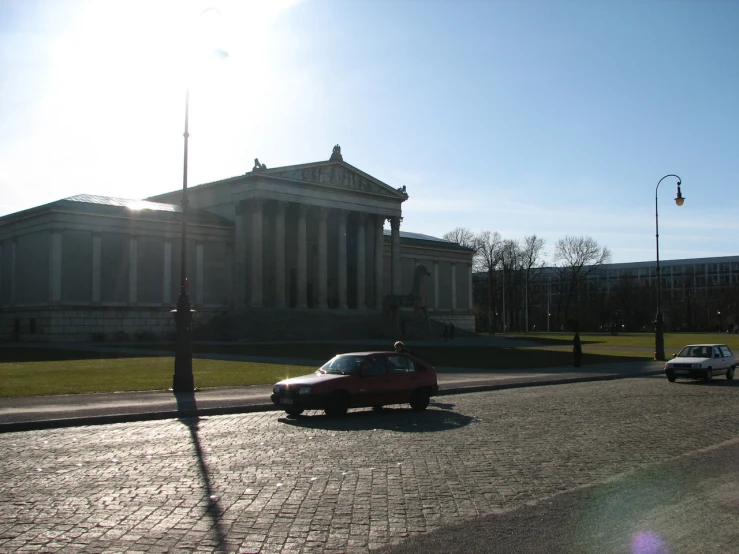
524 117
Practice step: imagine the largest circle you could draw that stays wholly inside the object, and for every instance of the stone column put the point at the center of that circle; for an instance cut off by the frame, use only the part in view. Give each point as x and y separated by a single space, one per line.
469 300
369 256
133 269
97 243
361 262
280 255
199 273
256 254
323 258
379 250
13 264
395 256
436 285
55 267
454 286
239 257
302 301
342 260
167 280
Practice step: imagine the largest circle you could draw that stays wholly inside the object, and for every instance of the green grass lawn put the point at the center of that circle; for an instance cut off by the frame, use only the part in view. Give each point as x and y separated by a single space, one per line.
38 378
36 371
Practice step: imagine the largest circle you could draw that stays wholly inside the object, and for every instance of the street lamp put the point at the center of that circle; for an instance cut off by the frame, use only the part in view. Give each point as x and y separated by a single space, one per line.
182 379
659 337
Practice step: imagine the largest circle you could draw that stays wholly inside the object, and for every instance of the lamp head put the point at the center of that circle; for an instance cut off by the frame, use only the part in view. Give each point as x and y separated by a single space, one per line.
679 199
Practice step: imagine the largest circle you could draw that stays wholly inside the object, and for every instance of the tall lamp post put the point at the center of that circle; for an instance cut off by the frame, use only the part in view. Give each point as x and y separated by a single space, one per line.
182 380
659 337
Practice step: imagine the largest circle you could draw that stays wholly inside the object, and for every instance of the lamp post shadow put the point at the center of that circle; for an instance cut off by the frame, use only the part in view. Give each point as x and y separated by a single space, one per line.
187 405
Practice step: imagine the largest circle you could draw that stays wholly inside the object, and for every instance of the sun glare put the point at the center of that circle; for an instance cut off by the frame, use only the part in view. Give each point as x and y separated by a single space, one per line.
119 71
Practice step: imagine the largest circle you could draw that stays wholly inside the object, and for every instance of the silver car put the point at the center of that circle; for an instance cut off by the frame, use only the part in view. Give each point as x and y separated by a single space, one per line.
701 361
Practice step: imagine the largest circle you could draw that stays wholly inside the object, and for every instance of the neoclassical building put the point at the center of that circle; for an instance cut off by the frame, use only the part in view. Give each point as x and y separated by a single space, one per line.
302 237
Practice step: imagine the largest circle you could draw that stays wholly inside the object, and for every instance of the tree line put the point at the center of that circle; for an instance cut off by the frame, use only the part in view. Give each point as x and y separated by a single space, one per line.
507 271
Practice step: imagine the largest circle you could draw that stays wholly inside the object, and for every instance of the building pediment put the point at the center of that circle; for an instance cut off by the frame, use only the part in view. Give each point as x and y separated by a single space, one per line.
336 174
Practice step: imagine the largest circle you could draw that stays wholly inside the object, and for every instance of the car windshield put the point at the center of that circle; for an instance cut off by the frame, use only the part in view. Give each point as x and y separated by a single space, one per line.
695 352
343 365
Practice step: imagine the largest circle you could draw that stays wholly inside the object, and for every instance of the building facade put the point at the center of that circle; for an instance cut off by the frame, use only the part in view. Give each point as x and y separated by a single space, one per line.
302 237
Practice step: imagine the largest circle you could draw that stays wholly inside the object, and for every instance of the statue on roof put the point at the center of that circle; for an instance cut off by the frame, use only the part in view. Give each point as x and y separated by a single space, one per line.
336 154
257 165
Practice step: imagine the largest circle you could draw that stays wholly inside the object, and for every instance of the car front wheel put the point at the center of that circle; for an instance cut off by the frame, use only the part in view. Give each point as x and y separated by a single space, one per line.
709 374
420 400
337 404
670 376
293 411
730 373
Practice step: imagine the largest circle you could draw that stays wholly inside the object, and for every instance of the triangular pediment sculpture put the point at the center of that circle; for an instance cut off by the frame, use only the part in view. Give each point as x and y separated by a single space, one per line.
334 174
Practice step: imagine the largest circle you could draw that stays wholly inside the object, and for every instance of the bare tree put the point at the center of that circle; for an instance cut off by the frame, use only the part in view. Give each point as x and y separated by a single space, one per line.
462 236
530 252
510 263
576 258
488 246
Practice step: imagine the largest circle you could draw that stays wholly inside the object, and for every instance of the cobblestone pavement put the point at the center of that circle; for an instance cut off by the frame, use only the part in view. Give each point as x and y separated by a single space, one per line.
263 483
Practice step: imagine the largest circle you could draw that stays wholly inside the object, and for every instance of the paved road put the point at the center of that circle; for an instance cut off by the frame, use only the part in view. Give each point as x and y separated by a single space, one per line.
259 482
687 504
19 414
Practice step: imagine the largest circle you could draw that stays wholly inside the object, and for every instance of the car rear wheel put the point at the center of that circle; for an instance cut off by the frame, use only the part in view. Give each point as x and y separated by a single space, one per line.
420 400
337 404
708 375
730 373
294 411
671 377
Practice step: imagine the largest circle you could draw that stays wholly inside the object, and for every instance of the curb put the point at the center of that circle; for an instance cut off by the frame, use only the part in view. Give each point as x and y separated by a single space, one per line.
269 407
544 382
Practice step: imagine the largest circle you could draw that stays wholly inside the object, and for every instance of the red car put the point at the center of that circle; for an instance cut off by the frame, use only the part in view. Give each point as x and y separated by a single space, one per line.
359 379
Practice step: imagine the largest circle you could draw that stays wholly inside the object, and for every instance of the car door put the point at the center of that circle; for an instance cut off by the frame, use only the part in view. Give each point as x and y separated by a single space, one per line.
718 360
403 375
724 360
728 356
373 382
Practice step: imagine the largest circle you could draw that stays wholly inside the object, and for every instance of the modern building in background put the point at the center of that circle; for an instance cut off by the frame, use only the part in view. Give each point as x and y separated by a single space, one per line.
700 294
307 237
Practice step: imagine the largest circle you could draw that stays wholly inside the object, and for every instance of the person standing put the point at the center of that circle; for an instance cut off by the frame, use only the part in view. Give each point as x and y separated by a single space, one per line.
576 350
400 347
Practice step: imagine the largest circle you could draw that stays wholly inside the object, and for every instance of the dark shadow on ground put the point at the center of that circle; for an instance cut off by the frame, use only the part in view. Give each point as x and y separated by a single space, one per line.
715 382
28 354
553 341
402 420
468 355
186 404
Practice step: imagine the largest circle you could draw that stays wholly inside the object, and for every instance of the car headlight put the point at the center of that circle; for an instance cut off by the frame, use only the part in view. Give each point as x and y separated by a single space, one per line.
304 390
276 389
697 366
